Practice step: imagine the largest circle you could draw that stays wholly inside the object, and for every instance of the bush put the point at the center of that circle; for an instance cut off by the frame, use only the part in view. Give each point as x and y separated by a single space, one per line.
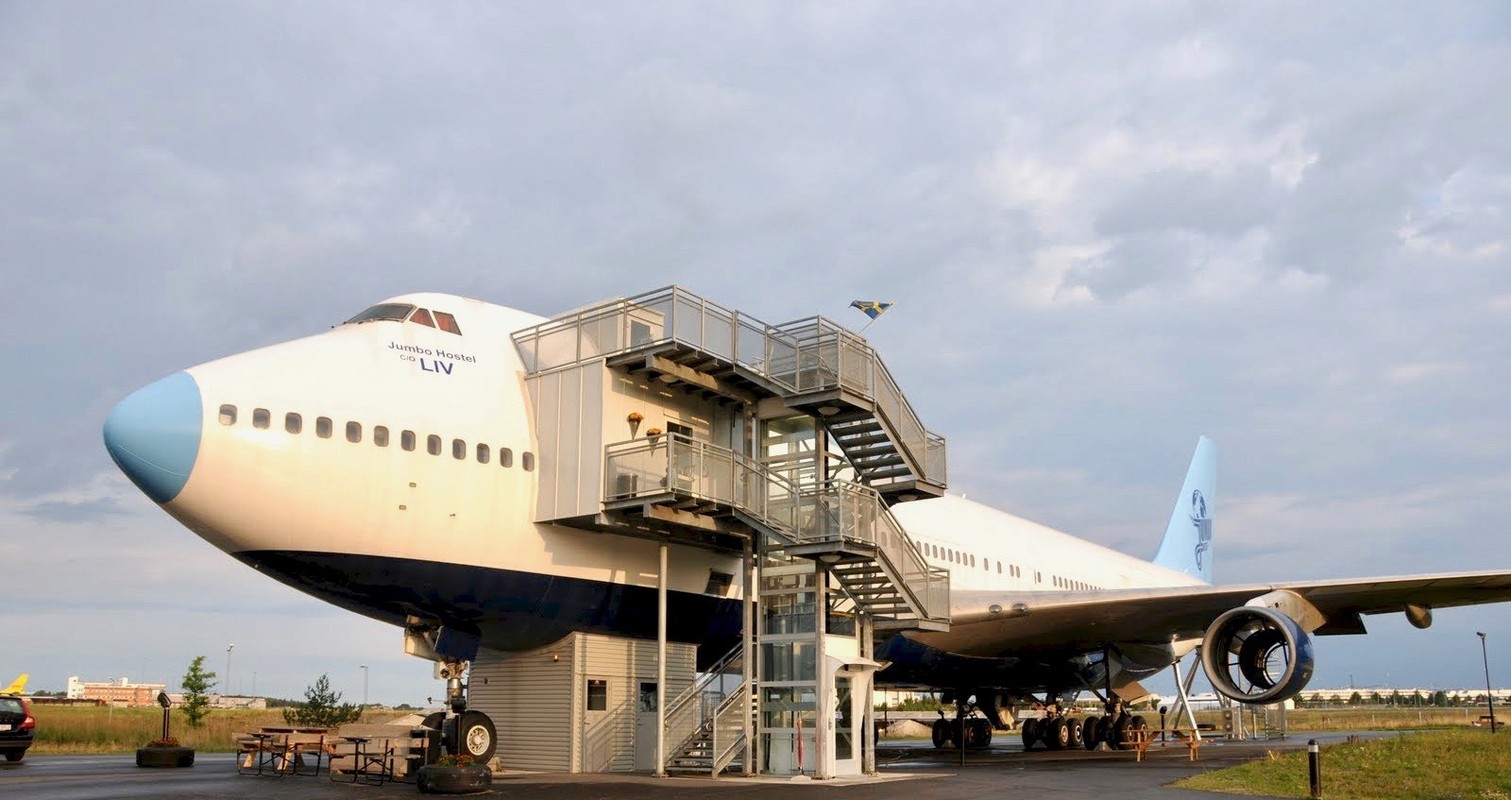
322 708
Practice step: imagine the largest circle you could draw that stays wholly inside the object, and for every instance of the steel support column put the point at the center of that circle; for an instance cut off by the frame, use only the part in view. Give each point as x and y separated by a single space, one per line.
661 665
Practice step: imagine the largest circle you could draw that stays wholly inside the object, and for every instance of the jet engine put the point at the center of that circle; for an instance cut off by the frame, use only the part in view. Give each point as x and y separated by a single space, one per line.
1255 654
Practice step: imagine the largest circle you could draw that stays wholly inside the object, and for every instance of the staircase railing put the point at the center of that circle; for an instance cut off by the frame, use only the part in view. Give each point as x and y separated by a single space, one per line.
687 714
807 355
727 731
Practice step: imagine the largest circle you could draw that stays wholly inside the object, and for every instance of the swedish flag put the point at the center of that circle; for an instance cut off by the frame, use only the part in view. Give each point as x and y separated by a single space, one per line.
872 308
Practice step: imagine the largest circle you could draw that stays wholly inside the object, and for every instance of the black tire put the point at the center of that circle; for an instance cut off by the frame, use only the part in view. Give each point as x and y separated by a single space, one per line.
1059 734
981 734
171 757
940 733
1030 733
15 755
434 721
1091 732
1076 732
477 737
453 780
1118 732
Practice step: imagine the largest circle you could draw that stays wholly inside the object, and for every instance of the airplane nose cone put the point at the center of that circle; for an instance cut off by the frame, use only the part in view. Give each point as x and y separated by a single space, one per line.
153 435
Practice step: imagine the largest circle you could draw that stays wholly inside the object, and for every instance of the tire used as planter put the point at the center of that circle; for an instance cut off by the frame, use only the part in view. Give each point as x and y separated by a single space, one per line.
172 757
433 779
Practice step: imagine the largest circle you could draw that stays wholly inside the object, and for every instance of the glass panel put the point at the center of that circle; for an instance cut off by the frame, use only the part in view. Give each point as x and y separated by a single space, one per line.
293 423
380 436
458 449
844 725
598 695
406 440
484 453
228 414
447 323
422 316
433 444
395 311
323 427
527 461
261 418
505 457
353 432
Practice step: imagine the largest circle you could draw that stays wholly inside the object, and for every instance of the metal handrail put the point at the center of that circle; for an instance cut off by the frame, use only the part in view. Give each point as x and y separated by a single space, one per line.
833 511
805 355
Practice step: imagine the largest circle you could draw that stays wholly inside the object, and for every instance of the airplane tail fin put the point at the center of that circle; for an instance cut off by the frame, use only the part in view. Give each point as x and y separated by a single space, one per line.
18 686
1187 546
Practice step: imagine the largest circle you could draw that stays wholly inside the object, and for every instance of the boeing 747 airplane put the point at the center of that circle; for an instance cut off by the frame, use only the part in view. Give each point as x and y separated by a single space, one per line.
407 465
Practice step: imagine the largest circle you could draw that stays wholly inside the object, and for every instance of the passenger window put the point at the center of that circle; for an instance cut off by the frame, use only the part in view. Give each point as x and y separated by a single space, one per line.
483 453
458 449
380 436
973 559
228 414
261 418
505 457
422 316
323 427
433 444
353 432
447 323
406 440
527 460
293 423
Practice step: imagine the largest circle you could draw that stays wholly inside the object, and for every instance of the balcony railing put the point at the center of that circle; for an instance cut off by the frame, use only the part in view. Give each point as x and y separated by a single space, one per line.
834 512
800 357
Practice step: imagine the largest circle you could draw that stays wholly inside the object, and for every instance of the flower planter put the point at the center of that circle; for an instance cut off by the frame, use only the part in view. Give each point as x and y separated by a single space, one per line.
471 779
170 756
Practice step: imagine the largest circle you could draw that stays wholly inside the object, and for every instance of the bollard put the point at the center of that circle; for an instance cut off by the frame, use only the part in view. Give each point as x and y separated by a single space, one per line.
1314 766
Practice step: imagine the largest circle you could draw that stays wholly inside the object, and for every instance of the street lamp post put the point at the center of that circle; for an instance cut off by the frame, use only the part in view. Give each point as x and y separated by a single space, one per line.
364 687
1489 693
229 648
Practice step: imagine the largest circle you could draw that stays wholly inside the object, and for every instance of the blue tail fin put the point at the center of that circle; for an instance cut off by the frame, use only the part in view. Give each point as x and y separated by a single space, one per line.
1187 546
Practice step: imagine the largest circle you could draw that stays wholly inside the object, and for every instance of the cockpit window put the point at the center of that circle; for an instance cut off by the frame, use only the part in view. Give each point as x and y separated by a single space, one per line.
422 316
394 311
447 323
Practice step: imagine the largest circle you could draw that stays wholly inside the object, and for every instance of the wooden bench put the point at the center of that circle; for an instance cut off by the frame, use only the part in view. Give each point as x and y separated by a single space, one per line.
279 751
375 753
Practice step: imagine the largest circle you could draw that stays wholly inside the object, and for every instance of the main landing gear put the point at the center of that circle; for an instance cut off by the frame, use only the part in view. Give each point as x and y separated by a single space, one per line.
1057 730
977 729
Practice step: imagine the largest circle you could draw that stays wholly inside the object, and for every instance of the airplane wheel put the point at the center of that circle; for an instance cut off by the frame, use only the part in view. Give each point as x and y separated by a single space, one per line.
940 733
1118 732
478 737
978 734
1059 734
1138 723
1076 732
1030 732
1091 732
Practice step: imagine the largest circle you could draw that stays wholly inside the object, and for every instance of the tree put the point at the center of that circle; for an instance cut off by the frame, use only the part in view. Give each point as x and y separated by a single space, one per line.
322 708
1355 699
197 681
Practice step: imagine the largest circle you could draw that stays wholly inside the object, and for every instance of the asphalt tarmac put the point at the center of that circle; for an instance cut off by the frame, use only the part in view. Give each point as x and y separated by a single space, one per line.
907 772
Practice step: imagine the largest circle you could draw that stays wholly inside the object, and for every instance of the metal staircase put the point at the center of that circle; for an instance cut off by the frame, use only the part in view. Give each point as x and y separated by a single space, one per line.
680 482
705 723
814 365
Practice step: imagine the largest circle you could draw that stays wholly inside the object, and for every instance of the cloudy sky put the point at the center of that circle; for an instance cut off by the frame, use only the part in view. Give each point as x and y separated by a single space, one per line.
1109 228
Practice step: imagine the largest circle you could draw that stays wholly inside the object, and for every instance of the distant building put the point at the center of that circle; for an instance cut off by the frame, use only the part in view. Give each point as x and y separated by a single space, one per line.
121 692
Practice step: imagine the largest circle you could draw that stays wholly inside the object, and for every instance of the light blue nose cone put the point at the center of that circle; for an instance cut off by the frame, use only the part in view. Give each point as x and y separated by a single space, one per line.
153 435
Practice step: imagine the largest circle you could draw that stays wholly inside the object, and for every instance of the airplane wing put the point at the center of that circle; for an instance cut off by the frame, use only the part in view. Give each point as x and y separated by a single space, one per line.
1060 622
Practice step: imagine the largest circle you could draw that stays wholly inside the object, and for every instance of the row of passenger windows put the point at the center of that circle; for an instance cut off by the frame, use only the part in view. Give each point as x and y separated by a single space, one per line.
408 440
969 560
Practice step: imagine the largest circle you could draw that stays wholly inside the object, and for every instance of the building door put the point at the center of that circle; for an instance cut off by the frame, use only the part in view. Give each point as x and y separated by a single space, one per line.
645 728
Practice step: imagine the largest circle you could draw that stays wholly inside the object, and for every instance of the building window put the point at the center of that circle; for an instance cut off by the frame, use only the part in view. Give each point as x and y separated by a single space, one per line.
483 453
380 435
406 440
261 418
527 460
323 427
353 432
505 457
458 449
293 423
228 414
598 695
433 444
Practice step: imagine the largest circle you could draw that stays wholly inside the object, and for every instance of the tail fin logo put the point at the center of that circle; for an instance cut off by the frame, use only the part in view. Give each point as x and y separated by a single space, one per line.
1203 525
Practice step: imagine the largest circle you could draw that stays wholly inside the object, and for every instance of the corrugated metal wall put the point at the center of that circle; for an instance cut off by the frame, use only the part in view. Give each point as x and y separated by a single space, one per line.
534 700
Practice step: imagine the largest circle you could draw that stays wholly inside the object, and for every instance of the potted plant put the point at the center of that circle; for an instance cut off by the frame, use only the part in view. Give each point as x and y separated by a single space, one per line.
454 774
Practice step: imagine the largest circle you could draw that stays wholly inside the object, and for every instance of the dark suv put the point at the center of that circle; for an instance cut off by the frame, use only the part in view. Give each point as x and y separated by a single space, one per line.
17 726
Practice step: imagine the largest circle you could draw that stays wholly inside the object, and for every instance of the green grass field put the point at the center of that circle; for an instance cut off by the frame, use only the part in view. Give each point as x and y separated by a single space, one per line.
93 729
1429 765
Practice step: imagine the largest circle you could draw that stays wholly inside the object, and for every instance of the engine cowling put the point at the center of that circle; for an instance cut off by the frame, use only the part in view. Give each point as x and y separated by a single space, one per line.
1255 654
